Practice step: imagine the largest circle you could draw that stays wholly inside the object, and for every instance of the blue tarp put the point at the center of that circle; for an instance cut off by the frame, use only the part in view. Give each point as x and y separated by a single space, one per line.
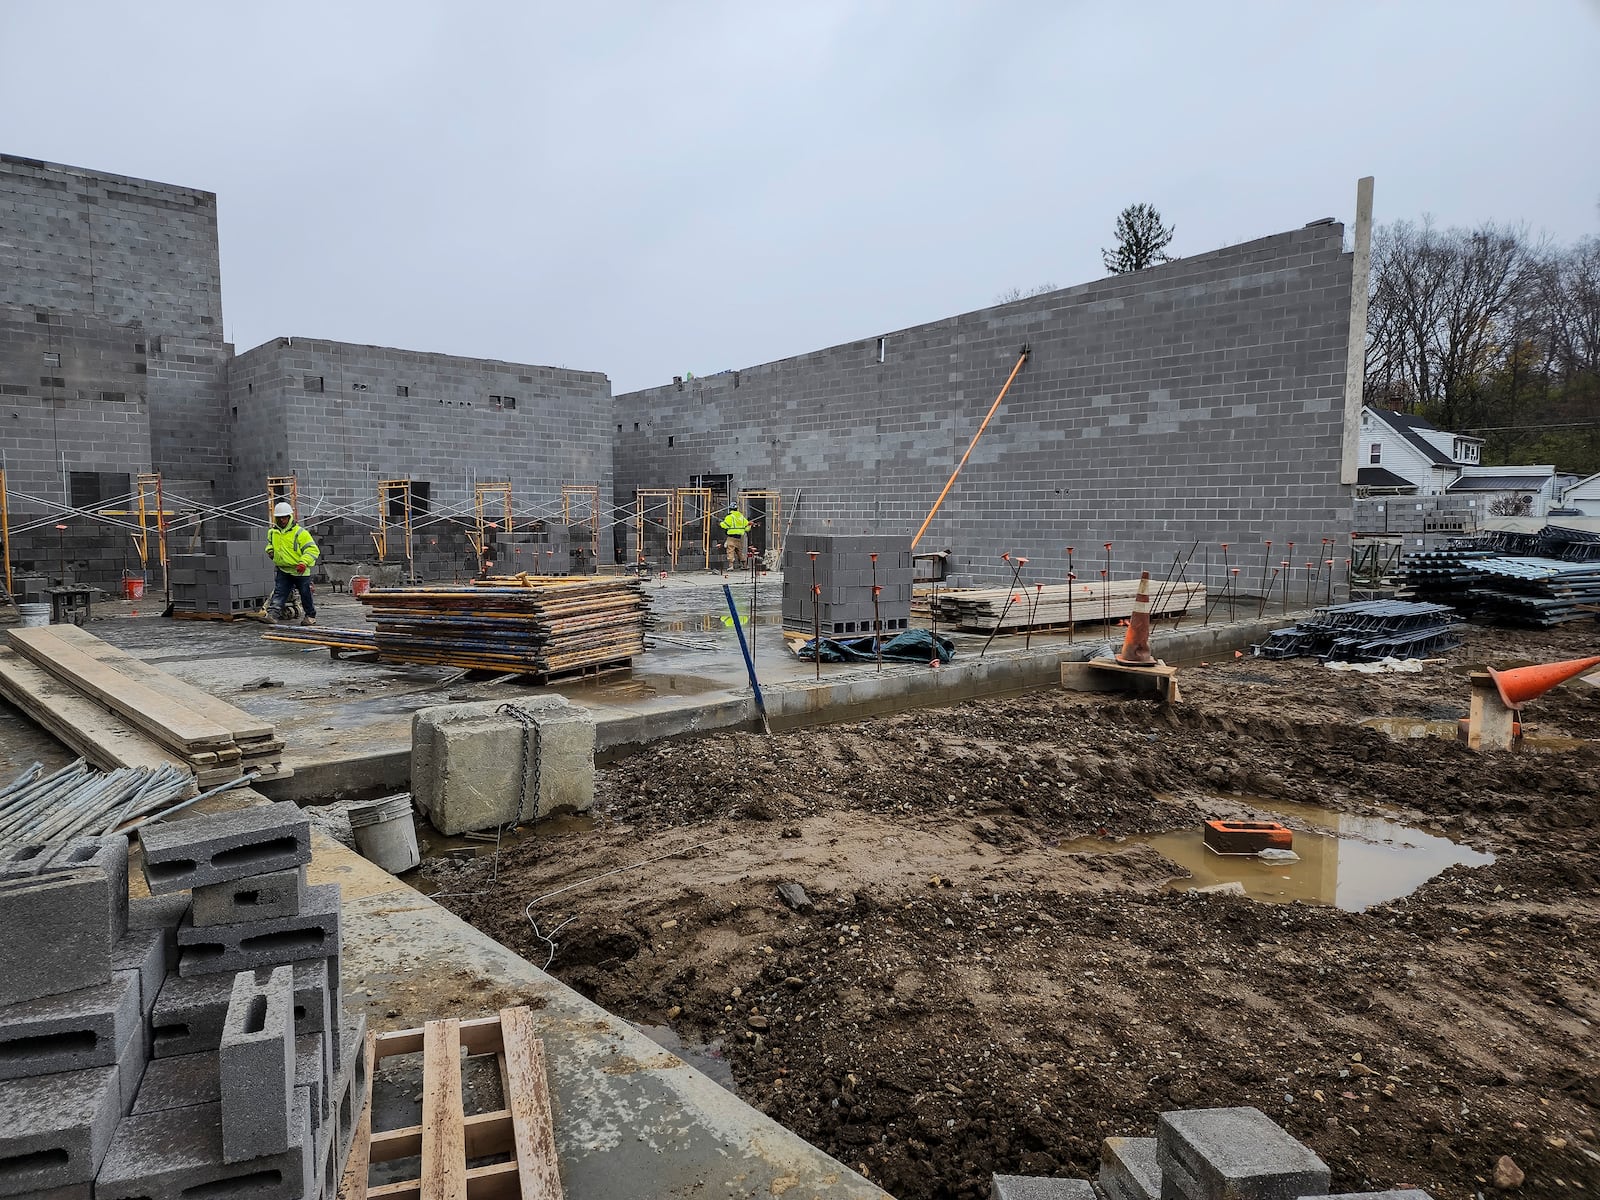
914 645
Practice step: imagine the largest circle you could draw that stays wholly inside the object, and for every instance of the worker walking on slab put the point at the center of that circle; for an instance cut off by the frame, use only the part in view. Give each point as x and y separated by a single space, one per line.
734 528
294 553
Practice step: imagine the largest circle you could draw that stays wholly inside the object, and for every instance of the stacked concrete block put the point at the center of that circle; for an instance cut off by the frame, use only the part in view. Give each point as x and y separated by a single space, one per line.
844 574
256 1061
1023 1187
1233 1154
1128 1169
547 549
73 1028
1420 522
190 1012
476 767
229 577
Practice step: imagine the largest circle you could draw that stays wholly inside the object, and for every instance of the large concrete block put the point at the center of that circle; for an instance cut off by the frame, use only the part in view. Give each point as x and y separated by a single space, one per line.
1128 1169
69 1032
428 775
1024 1187
1233 1154
565 749
55 1129
190 1012
178 1152
257 1065
253 898
62 911
314 933
219 847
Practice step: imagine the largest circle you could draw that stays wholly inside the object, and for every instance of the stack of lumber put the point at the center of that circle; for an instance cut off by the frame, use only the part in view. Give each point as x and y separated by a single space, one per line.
535 625
118 711
985 610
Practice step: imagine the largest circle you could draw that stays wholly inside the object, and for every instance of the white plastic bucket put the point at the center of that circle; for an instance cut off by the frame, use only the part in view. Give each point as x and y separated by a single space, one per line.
384 833
34 615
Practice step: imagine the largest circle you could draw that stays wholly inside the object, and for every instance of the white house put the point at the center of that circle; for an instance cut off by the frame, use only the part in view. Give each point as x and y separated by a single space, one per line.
1584 496
1402 455
1510 491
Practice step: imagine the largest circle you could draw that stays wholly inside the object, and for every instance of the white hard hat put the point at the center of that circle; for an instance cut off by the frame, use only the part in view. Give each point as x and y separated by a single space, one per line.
282 509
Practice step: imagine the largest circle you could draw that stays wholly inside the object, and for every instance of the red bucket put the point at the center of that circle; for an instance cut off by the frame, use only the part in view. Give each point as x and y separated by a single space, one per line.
359 585
133 589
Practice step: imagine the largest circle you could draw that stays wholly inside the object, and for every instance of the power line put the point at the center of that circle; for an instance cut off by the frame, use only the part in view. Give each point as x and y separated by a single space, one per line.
1519 428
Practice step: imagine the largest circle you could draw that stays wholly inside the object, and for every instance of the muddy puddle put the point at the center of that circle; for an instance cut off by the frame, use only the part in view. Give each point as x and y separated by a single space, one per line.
1346 861
434 846
1403 729
708 1059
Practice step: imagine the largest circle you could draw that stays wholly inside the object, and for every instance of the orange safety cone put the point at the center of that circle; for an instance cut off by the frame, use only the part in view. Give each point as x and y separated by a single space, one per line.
1518 686
1135 650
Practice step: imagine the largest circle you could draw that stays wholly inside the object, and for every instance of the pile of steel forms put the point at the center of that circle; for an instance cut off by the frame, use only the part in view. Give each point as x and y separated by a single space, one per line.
530 625
1539 579
1366 632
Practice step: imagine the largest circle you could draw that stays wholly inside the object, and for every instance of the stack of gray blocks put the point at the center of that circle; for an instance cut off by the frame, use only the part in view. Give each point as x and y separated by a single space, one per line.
1421 522
186 1044
547 550
844 573
229 577
475 767
1199 1154
78 973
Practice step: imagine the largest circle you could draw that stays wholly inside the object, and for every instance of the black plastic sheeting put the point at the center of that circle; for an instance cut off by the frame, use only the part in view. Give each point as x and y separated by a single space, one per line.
914 645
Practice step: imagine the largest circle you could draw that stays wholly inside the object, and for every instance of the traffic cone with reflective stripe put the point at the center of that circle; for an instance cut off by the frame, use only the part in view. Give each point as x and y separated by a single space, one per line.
1518 686
1135 650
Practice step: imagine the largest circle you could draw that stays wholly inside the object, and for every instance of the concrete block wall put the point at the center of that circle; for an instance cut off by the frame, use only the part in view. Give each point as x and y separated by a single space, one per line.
343 417
1200 399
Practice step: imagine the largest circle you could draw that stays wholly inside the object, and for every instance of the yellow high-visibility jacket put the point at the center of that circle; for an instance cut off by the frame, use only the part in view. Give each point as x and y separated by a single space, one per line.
290 547
736 524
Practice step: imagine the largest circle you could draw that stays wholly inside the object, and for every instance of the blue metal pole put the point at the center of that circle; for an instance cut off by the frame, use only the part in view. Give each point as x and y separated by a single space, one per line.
749 663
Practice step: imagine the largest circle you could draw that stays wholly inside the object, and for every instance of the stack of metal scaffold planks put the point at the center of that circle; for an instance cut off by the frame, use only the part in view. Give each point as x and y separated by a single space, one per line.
534 625
519 1138
117 710
1054 606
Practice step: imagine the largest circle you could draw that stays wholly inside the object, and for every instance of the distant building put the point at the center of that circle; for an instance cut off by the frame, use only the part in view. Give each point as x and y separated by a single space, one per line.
1403 455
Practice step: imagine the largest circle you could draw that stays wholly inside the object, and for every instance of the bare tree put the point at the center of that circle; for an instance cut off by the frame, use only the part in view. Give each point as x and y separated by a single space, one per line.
1141 241
1016 293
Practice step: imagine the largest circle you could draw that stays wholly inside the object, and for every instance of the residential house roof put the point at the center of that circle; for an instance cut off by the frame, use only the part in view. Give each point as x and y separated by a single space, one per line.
1382 477
1499 483
1410 428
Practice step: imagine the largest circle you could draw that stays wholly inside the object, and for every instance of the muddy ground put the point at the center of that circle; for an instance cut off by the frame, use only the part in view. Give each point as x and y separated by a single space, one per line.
967 997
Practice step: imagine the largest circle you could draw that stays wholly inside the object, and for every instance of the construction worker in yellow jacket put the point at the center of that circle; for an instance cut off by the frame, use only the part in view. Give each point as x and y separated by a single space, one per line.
293 553
734 528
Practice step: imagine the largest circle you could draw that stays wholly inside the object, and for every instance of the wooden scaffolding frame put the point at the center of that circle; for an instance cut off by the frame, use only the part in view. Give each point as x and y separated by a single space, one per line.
641 511
522 1133
772 508
702 496
149 487
572 492
283 487
481 496
388 488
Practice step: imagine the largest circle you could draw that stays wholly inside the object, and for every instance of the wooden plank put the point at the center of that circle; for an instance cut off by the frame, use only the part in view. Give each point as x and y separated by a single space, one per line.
483 1134
169 723
529 1102
353 1183
481 1035
444 1149
1104 675
497 1181
105 740
235 720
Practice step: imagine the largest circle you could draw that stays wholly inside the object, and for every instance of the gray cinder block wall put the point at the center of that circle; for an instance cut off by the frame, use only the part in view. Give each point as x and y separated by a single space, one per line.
343 417
1201 399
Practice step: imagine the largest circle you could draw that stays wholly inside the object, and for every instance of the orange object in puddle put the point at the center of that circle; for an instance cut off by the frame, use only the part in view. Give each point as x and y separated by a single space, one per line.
1246 837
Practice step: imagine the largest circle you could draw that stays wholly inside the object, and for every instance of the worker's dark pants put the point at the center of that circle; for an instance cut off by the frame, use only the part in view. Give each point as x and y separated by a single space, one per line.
286 583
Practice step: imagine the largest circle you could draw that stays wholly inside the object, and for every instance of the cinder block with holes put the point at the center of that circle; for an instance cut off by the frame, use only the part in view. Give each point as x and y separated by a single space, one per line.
62 912
256 1065
190 1012
253 898
314 933
55 1129
1233 1154
178 1152
219 847
181 1082
70 1032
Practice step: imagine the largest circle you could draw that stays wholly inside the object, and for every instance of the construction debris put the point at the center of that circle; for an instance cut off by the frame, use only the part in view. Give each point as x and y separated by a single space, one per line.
55 808
1367 631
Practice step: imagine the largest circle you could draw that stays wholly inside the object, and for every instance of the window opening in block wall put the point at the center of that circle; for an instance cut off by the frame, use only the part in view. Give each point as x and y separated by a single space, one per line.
719 485
402 390
52 360
114 397
313 383
669 442
52 381
89 488
883 347
420 494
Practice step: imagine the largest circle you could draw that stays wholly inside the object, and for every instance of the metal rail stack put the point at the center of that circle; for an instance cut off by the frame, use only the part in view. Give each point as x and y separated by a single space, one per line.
1537 579
1368 631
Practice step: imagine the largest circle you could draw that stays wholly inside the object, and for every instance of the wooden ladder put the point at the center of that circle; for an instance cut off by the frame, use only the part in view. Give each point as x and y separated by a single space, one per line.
521 1132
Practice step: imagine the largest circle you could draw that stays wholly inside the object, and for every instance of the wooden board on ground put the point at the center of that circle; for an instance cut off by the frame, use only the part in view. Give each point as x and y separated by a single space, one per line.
173 725
521 1135
1107 675
102 738
235 720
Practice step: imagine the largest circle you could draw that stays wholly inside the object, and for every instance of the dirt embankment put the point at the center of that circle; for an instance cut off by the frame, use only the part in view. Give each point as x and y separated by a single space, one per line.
971 994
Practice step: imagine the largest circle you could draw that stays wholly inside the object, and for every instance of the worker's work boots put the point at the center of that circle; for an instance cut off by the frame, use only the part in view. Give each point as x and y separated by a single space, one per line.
308 621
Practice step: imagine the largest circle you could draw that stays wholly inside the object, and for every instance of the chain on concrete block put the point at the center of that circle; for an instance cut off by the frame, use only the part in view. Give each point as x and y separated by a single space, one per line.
530 748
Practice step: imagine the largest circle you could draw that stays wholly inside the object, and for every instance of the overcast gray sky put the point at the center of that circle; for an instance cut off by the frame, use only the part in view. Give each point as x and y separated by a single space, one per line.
649 188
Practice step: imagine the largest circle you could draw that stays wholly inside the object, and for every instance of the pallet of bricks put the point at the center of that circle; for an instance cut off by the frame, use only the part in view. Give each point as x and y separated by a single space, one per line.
844 574
189 1043
1057 606
229 578
117 710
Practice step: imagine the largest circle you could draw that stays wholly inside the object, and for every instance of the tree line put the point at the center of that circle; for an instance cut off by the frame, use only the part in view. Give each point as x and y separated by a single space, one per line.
1491 332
